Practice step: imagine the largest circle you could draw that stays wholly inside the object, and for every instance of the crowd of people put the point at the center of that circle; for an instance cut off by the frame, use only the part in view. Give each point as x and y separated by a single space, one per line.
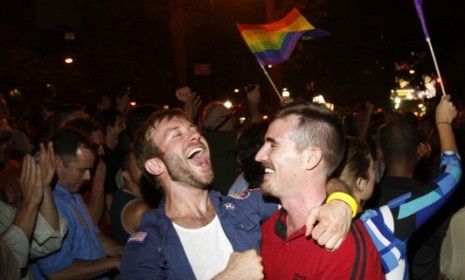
113 191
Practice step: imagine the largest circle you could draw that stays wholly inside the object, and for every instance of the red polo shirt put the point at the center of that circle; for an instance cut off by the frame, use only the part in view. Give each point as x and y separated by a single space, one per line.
297 257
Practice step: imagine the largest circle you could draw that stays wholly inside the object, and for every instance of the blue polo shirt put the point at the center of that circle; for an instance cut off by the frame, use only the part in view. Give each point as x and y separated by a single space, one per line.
81 242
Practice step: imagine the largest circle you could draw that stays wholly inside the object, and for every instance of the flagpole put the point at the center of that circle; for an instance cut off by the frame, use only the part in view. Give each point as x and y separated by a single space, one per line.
419 7
271 81
428 40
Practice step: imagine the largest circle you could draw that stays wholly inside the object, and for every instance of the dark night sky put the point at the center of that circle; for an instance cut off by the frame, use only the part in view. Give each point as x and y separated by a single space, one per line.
355 63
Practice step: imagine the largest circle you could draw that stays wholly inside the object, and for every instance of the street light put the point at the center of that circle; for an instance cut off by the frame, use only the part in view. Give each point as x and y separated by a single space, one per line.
69 60
228 104
286 93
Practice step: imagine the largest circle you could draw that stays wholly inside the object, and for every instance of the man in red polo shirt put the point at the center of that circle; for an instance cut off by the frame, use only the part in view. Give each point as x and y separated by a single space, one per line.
303 146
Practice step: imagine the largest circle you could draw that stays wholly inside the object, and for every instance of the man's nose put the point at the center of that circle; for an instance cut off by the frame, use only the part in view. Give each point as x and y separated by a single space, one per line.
261 154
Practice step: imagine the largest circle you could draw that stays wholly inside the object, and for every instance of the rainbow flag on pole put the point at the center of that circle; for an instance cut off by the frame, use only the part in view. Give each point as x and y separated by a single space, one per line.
273 43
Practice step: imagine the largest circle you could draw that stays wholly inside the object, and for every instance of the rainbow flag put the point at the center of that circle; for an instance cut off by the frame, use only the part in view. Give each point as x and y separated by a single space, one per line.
273 43
421 16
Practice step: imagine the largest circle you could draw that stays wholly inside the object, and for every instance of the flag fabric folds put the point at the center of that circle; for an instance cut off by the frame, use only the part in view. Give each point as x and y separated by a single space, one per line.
273 43
421 16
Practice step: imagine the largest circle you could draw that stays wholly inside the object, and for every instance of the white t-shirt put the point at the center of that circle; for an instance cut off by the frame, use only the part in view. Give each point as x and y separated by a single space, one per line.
207 248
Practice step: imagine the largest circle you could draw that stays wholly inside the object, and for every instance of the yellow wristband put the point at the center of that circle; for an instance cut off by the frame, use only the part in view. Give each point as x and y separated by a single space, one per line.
347 198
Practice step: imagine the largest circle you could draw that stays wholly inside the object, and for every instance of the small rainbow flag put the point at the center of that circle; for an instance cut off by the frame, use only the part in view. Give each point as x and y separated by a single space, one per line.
273 43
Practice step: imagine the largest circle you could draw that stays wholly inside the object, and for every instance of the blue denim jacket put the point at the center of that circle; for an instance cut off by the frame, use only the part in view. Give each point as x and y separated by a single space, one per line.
155 251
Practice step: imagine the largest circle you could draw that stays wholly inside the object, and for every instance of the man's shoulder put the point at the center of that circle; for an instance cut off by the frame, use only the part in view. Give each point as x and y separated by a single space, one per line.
153 217
359 249
138 241
248 201
153 225
246 194
139 236
357 239
62 202
243 196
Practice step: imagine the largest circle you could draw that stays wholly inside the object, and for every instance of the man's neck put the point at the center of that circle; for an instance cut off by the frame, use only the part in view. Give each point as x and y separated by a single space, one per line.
399 170
188 206
299 205
63 185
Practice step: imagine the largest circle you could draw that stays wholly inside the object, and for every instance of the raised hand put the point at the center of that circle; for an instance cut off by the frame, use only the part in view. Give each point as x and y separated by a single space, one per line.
47 164
31 182
445 114
445 111
185 94
99 176
334 220
191 101
254 96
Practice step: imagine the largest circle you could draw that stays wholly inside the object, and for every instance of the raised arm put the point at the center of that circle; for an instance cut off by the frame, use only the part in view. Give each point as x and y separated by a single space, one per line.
253 99
253 105
50 227
413 211
191 102
48 209
17 236
445 114
96 204
329 224
442 187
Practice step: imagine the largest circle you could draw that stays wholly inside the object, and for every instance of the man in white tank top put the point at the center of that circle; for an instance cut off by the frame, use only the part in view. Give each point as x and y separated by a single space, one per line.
212 242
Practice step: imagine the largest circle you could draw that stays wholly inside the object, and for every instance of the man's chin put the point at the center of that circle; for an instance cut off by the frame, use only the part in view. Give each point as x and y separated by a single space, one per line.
206 177
202 168
202 184
208 182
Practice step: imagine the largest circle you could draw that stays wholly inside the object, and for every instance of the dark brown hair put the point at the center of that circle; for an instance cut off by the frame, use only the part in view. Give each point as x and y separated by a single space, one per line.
320 127
144 147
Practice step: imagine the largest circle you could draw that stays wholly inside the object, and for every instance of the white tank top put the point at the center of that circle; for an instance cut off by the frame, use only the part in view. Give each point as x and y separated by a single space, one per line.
207 248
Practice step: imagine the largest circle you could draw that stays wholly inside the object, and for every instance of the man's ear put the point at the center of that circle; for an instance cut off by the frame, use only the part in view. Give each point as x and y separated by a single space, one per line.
314 157
155 166
360 184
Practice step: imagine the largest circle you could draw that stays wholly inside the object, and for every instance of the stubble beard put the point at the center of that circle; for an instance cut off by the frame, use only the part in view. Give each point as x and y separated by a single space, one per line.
179 171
